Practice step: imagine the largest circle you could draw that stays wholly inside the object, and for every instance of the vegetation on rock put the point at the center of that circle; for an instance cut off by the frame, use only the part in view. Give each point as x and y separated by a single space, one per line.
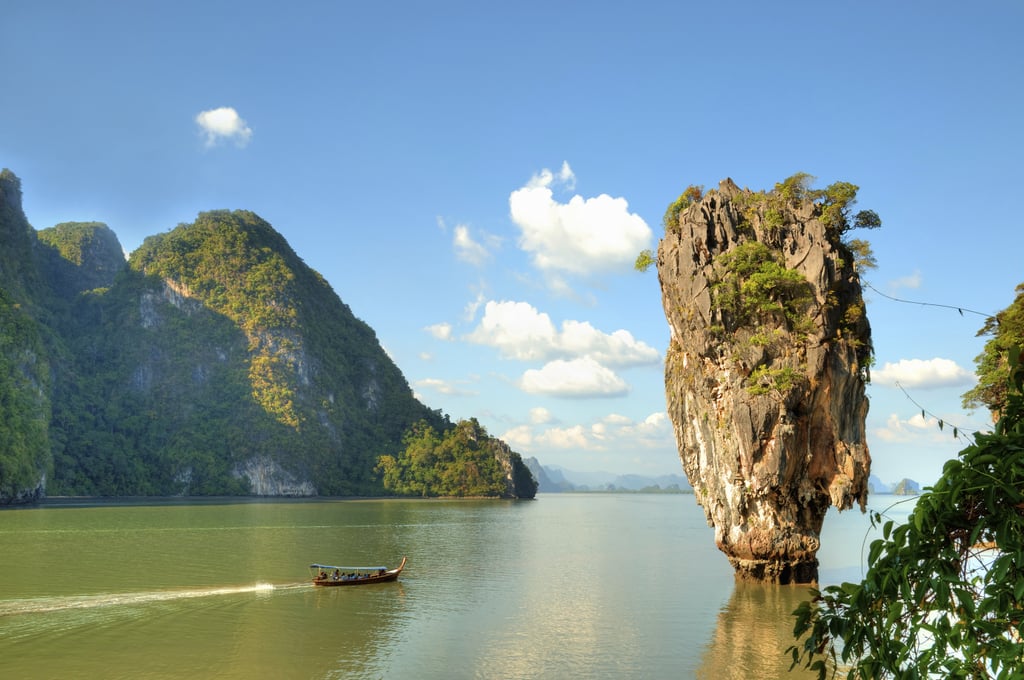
1007 331
460 461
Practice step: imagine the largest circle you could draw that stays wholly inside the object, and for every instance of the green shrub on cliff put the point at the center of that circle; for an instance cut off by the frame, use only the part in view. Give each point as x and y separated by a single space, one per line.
754 284
1007 331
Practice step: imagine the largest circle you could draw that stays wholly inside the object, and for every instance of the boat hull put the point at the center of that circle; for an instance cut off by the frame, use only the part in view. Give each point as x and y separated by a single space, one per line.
387 576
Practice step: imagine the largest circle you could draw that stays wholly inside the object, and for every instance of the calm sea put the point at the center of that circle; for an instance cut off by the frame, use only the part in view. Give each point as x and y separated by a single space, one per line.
567 586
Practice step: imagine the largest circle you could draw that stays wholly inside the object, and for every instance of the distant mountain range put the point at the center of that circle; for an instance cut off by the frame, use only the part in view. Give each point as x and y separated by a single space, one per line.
904 487
555 479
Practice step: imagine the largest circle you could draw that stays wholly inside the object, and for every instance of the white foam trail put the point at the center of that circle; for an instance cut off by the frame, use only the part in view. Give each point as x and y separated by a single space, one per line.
52 604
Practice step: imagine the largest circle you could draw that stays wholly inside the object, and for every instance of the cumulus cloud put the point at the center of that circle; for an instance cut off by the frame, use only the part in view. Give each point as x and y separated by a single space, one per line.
574 437
618 348
923 374
519 331
516 329
519 437
583 236
582 377
223 123
613 432
897 430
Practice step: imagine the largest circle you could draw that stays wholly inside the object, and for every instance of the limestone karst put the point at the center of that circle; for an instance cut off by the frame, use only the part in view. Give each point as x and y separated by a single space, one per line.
766 368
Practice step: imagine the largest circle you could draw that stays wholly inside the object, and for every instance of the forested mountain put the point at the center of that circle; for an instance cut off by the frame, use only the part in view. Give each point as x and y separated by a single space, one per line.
212 361
25 384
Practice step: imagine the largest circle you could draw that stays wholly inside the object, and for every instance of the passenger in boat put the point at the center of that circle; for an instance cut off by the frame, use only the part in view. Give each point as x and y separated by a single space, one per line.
337 574
323 576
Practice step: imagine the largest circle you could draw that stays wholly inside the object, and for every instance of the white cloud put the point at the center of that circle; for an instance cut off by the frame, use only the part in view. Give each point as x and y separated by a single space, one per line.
574 437
583 236
466 249
519 437
613 432
519 331
516 329
441 331
582 377
897 430
443 387
911 281
923 374
619 348
566 176
540 415
469 313
223 123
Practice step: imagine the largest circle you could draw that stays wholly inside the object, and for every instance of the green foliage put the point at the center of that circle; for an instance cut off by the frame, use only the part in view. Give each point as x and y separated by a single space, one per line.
837 201
670 220
1007 331
765 380
796 187
462 461
644 260
754 284
24 407
863 256
944 593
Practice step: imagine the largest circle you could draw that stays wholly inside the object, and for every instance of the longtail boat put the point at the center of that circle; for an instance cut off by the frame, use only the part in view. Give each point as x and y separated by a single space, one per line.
332 575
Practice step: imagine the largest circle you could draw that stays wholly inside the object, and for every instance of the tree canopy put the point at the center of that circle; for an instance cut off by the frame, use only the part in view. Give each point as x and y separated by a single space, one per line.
943 595
460 461
1007 331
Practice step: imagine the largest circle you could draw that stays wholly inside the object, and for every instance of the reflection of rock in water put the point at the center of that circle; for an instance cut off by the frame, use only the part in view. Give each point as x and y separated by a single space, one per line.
754 630
765 374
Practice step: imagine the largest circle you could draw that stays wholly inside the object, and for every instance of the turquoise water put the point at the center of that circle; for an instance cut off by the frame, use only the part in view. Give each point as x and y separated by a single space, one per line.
567 586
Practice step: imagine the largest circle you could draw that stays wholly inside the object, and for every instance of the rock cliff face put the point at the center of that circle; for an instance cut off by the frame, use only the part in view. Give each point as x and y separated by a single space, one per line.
25 366
765 373
213 361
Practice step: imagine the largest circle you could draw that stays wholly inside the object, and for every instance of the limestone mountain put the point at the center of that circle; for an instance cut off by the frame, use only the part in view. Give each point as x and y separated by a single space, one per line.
212 361
25 377
766 367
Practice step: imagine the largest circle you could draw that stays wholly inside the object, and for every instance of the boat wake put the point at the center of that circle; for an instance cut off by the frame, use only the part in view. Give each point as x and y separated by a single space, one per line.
42 605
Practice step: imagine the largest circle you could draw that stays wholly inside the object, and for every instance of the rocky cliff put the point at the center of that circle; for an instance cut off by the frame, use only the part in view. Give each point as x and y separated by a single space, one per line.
213 361
766 368
25 366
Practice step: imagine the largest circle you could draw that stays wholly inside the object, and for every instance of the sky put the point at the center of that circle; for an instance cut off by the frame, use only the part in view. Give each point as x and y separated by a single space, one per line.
476 179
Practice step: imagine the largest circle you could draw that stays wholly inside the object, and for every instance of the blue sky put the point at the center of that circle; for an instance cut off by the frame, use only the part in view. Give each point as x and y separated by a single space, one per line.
475 179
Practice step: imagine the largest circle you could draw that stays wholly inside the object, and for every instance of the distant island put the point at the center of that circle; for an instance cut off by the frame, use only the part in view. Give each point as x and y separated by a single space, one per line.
904 487
556 479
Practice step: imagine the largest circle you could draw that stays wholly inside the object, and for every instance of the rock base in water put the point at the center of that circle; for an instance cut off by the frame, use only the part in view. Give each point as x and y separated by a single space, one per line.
781 573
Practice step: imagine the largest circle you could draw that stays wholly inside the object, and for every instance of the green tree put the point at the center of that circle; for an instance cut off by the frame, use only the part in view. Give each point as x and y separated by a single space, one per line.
943 595
691 194
644 260
461 461
1007 331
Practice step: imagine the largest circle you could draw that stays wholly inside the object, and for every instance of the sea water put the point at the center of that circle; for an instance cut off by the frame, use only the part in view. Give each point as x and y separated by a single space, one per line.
566 586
